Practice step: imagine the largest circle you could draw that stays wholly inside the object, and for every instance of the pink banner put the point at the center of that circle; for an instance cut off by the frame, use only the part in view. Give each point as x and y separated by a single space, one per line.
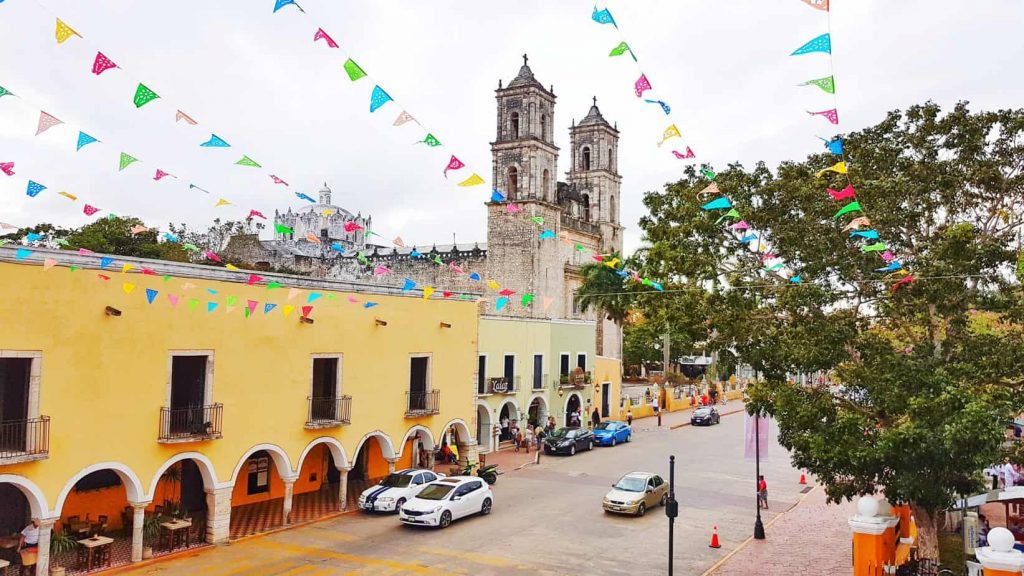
751 442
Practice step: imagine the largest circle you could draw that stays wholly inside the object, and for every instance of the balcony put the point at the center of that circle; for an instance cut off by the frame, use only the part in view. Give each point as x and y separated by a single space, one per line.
538 384
503 386
577 379
24 440
422 403
580 225
195 424
328 412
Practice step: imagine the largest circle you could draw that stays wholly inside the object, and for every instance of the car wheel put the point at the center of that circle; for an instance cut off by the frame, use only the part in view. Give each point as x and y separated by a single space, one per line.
399 504
572 450
664 499
613 441
629 437
446 519
641 509
590 446
486 508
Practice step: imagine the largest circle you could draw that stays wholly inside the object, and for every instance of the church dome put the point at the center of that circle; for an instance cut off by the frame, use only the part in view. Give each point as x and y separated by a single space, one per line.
525 77
594 117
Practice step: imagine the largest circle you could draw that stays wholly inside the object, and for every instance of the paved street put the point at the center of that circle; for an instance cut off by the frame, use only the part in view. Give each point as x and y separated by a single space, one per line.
547 519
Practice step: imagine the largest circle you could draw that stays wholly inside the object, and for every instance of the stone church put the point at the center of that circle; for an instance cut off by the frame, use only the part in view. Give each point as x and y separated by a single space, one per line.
583 211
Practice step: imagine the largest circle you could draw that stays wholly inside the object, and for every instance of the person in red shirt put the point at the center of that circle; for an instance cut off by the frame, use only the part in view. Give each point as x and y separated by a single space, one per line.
762 492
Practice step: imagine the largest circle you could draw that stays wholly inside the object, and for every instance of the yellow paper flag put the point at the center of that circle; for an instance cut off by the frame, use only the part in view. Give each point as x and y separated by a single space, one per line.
126 267
231 267
670 132
287 309
222 202
838 167
64 32
493 285
427 291
328 212
128 287
474 180
68 196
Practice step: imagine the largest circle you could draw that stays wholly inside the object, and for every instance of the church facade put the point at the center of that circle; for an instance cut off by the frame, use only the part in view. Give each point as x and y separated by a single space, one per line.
582 210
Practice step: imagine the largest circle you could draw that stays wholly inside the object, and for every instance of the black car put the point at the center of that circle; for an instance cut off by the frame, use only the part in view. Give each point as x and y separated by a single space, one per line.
705 416
569 441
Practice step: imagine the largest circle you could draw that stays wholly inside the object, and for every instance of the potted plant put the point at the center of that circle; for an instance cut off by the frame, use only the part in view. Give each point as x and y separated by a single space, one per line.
150 532
60 544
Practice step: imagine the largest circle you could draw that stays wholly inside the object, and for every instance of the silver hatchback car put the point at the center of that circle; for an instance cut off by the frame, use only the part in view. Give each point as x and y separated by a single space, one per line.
635 493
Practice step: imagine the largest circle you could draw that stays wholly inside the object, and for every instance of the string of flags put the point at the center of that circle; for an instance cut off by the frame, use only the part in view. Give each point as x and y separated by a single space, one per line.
859 227
643 88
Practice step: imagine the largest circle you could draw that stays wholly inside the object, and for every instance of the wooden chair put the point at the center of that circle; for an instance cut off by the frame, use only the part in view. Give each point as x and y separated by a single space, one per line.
101 525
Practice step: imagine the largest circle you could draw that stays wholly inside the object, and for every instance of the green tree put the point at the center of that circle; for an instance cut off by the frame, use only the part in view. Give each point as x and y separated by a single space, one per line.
604 290
931 372
114 236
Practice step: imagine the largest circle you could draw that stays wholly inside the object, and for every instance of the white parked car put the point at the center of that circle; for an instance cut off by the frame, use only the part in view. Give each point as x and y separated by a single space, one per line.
395 490
446 500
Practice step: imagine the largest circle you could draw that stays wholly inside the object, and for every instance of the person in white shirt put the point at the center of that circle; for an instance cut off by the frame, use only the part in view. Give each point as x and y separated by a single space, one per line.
29 536
1008 474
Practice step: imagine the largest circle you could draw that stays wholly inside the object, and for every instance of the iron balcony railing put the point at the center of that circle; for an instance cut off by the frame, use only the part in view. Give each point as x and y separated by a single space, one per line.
191 424
25 438
329 411
420 403
539 380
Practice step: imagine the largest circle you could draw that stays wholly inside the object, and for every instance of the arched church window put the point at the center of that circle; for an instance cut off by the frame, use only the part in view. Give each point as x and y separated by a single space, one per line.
611 159
514 125
585 209
586 158
513 182
544 127
546 179
611 209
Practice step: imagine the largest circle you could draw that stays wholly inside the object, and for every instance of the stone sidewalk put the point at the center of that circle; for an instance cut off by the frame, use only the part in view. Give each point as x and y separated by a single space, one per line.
811 538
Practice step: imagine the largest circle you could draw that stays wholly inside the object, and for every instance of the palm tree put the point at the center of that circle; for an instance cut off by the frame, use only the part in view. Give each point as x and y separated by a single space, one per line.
604 290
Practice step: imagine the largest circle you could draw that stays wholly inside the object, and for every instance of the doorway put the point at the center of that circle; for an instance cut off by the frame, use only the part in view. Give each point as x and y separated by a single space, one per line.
418 383
572 407
14 391
324 405
188 394
605 390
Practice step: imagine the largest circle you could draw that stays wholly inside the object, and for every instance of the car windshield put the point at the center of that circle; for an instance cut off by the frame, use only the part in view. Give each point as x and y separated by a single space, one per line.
561 433
606 426
396 481
436 491
632 484
701 411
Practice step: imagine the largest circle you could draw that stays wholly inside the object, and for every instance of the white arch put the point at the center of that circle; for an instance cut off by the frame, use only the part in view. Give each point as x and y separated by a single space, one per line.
386 447
512 401
277 454
428 441
202 462
337 452
544 409
132 485
462 428
36 500
565 407
484 425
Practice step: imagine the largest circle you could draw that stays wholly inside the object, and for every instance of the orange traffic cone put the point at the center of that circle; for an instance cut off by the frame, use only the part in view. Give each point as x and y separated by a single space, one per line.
803 479
714 538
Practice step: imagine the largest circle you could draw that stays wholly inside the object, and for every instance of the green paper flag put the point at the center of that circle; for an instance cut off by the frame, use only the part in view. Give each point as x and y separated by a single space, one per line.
431 141
709 174
437 260
776 266
621 49
5 92
528 298
282 229
362 258
144 95
730 214
876 247
353 69
828 84
232 300
538 220
579 247
126 160
246 161
851 207
273 284
73 268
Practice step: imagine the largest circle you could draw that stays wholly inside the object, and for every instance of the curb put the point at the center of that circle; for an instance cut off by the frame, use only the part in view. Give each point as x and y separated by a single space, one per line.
743 544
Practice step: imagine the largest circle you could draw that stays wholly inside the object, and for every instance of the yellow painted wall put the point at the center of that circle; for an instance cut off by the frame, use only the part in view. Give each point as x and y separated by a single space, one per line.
609 370
104 379
94 503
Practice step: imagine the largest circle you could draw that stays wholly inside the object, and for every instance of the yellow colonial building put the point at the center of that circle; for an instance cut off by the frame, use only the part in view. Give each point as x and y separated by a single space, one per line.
163 404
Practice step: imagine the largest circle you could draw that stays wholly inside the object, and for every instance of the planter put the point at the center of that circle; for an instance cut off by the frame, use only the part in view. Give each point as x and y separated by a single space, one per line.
147 552
57 571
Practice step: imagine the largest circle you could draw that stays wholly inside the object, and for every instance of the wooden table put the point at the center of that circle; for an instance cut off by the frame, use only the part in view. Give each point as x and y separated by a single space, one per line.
172 530
81 527
92 545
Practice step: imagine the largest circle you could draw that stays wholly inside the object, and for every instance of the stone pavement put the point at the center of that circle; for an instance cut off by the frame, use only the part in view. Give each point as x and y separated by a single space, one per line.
811 538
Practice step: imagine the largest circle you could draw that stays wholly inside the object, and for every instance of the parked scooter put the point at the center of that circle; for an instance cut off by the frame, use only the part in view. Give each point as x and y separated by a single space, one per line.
488 473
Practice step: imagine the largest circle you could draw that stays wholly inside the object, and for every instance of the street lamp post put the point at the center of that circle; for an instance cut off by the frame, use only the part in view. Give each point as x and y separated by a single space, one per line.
758 526
671 508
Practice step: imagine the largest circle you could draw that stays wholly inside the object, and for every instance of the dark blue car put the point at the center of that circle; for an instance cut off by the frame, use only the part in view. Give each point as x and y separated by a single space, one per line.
612 432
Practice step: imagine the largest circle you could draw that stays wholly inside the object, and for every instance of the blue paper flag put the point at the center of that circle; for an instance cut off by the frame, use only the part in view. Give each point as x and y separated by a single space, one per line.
501 303
369 305
834 146
603 17
497 196
868 234
211 290
657 286
304 197
84 140
170 237
718 204
34 188
313 296
215 142
282 3
378 98
408 285
22 254
474 277
748 238
338 247
268 307
892 267
415 253
33 237
151 295
105 261
622 273
211 306
822 43
547 234
663 105
796 279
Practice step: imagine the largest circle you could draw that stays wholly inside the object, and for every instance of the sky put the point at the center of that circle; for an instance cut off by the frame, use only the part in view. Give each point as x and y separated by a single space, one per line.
257 80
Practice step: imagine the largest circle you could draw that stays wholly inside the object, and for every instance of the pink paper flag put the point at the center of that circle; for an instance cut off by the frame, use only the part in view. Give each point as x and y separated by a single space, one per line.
90 210
842 194
453 164
210 255
160 174
513 208
182 116
352 227
253 279
148 271
257 214
818 4
741 225
7 226
767 256
353 299
546 301
7 168
403 118
48 263
46 121
830 115
642 85
455 267
888 256
689 154
381 270
306 310
85 252
321 35
174 300
251 305
277 180
102 64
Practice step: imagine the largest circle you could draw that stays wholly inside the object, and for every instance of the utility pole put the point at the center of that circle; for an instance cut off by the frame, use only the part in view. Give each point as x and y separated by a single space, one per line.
758 526
671 508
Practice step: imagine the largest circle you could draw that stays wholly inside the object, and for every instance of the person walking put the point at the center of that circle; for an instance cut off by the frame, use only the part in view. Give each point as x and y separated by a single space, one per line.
595 417
528 438
629 416
762 492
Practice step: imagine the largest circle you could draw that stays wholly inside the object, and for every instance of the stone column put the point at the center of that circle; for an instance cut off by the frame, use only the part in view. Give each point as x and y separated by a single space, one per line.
138 517
391 465
343 488
289 487
43 558
998 558
218 514
873 537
